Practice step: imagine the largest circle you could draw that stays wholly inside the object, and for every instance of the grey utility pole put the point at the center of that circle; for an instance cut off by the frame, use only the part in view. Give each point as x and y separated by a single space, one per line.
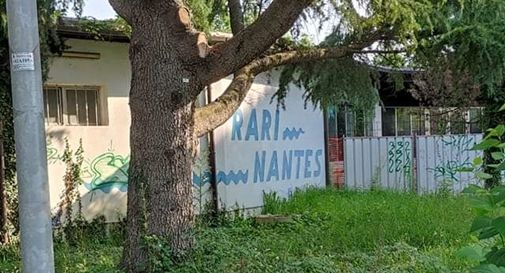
31 157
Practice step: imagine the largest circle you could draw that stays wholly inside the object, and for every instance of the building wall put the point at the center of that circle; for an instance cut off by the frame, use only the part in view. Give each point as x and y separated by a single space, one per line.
106 148
264 148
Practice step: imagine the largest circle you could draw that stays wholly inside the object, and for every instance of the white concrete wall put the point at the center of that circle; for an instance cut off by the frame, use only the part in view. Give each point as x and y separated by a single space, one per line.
106 148
264 148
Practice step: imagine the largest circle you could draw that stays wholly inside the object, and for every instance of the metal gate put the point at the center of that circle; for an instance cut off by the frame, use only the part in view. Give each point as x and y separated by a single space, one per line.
423 163
379 161
440 159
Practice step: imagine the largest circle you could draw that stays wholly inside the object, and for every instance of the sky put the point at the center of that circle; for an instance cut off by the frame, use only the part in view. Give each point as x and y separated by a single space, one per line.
100 9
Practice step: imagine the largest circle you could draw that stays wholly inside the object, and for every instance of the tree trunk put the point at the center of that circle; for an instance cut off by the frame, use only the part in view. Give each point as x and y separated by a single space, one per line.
162 143
171 63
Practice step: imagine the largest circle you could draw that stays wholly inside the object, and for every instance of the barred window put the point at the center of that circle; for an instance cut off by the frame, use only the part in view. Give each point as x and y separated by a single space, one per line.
79 106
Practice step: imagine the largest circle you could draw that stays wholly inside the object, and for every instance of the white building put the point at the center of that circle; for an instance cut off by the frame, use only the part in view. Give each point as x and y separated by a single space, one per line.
260 149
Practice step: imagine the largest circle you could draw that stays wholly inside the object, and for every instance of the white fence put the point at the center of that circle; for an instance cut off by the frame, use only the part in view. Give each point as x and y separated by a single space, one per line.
439 159
423 163
384 162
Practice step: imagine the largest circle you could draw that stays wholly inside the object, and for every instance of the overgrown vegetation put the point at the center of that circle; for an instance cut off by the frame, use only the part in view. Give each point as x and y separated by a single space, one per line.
489 225
332 231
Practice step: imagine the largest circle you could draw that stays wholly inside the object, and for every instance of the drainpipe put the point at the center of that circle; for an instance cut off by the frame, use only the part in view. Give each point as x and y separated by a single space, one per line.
326 150
212 164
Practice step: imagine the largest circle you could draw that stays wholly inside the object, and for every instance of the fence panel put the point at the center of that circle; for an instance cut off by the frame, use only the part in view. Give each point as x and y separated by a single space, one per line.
385 162
440 157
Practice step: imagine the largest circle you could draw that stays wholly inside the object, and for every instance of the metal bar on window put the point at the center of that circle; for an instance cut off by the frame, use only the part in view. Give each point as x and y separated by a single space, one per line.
64 106
47 106
86 105
77 108
396 121
59 106
411 123
96 108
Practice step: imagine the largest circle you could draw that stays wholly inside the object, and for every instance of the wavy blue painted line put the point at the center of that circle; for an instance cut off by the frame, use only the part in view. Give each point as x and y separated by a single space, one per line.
233 177
292 133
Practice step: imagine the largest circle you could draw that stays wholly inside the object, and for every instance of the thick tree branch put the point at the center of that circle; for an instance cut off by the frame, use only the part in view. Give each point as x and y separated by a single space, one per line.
216 113
236 16
229 57
378 51
315 54
123 8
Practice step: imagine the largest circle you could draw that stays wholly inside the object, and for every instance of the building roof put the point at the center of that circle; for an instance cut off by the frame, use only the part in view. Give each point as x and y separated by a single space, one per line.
87 29
77 29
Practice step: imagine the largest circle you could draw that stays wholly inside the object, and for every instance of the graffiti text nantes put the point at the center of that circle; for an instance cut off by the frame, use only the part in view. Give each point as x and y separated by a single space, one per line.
271 165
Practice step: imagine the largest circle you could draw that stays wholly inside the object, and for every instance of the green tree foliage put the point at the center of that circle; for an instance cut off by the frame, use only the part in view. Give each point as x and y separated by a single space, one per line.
463 36
209 15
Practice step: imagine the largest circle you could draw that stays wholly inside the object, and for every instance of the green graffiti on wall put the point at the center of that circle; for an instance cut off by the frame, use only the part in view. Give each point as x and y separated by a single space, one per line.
108 171
53 155
453 155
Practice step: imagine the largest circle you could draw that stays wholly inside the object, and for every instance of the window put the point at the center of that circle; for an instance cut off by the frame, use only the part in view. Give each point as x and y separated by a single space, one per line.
341 122
389 122
458 122
73 106
357 123
418 118
348 122
403 121
332 121
475 120
439 121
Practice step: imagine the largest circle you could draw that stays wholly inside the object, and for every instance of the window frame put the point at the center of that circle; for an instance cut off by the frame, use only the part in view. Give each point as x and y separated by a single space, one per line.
426 117
64 120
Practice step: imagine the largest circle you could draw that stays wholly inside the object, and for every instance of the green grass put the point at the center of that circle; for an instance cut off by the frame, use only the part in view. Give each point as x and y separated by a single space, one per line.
332 231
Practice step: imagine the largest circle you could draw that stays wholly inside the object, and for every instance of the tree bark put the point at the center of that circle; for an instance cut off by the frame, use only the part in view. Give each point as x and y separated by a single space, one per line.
236 16
229 57
161 138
